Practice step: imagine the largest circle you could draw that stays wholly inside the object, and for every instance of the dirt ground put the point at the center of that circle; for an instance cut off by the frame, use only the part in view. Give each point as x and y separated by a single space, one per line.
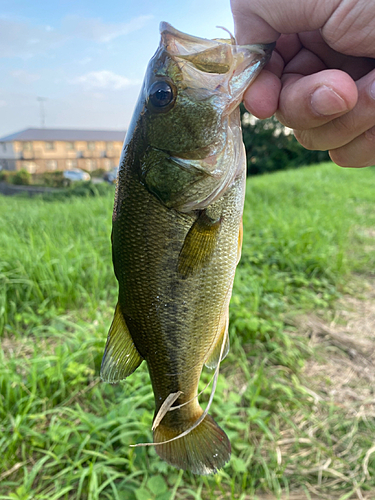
347 344
344 369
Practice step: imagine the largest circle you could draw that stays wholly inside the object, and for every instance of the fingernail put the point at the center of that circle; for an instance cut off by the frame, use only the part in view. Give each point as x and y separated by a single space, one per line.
325 101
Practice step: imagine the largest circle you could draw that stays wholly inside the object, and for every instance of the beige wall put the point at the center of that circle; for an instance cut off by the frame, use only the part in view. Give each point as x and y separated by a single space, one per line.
42 156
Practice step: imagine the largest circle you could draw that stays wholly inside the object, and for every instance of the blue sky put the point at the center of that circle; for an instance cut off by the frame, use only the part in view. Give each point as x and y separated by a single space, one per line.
87 58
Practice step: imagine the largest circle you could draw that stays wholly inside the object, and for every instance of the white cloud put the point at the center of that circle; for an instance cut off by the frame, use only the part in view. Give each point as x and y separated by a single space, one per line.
24 76
84 60
98 31
20 39
104 80
23 39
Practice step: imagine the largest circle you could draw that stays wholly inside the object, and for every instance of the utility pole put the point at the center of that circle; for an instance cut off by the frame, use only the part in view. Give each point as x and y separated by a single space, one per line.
42 113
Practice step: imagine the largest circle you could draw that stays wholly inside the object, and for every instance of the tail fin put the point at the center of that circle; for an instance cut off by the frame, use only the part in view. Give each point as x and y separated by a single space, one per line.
205 450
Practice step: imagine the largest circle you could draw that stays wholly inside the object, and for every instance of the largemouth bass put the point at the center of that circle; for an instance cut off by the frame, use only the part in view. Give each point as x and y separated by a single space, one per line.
176 236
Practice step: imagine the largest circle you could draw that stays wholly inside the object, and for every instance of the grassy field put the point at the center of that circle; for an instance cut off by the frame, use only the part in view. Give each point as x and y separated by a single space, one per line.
65 435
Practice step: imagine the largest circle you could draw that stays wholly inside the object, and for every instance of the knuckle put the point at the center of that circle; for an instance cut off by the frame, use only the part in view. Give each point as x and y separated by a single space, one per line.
344 126
305 138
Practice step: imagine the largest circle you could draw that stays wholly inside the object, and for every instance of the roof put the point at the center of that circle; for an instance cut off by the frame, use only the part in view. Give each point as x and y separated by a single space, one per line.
57 134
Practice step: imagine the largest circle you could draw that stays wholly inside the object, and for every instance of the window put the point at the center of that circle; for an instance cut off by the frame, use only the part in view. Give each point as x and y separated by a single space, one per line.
50 145
51 164
108 164
71 164
90 165
29 166
70 145
27 146
109 146
91 146
4 147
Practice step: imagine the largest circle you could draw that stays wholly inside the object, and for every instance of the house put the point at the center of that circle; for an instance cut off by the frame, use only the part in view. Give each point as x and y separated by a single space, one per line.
40 150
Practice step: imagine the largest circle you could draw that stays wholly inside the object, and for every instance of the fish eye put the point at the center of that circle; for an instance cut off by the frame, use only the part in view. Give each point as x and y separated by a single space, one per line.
160 94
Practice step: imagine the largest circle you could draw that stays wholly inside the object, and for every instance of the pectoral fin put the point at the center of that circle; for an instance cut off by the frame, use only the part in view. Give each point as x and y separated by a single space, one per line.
199 245
121 357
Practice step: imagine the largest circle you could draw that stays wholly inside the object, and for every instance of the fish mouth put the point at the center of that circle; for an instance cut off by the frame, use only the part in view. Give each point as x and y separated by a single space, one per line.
222 65
180 44
189 42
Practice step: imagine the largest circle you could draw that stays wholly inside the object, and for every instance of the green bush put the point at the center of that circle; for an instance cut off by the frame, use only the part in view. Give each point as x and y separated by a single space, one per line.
270 147
4 175
20 178
49 179
80 189
99 172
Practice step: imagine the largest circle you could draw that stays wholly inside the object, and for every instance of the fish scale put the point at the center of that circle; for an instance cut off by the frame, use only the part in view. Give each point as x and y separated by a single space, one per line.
176 235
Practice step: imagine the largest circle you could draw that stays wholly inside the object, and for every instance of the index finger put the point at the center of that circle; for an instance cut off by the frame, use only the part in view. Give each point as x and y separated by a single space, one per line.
262 21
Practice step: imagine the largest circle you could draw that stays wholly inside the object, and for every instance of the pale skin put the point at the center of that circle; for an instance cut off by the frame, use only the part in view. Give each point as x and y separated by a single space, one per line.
321 78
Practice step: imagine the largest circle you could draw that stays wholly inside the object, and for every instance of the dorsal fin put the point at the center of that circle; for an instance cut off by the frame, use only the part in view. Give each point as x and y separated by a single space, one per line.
121 357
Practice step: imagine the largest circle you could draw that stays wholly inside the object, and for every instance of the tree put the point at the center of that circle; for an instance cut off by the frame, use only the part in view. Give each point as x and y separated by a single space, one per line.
270 146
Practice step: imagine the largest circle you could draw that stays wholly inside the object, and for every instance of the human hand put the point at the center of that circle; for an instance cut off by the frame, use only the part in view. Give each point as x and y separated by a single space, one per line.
321 78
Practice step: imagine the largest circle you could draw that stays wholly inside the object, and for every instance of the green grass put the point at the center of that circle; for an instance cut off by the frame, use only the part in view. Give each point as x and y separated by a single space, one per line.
65 435
53 257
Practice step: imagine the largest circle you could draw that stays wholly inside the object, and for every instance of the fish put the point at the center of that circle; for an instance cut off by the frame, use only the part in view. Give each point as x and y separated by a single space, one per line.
177 234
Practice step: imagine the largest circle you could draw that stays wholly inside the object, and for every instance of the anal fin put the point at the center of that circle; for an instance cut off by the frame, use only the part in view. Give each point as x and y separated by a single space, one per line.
214 357
199 245
121 357
240 240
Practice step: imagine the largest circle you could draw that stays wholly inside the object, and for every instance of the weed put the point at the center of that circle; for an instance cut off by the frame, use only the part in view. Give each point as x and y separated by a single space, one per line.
65 435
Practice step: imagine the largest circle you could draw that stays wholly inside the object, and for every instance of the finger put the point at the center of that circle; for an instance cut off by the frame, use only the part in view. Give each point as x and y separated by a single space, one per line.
350 28
261 21
249 27
308 102
347 26
304 63
358 153
262 97
276 64
288 46
356 67
340 131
